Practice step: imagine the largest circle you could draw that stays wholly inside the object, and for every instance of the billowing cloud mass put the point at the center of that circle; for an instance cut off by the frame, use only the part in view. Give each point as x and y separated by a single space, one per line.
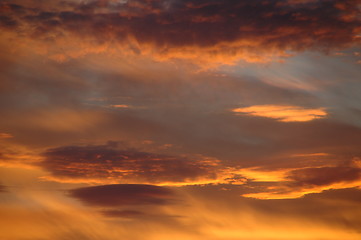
225 31
180 119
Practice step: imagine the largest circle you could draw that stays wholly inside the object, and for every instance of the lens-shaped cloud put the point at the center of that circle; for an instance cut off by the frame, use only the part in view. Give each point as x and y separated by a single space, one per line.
283 113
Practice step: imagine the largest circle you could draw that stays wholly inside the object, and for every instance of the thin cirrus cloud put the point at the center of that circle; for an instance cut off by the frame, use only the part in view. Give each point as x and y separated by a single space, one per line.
283 113
203 31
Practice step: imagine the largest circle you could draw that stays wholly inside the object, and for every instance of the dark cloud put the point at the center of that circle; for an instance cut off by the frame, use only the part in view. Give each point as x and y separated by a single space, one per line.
246 25
124 195
108 162
7 22
323 176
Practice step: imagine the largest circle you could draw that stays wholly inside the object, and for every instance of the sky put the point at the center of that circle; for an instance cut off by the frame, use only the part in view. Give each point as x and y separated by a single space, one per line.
180 119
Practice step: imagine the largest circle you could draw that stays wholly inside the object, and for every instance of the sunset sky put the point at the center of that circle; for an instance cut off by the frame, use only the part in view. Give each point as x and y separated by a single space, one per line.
180 119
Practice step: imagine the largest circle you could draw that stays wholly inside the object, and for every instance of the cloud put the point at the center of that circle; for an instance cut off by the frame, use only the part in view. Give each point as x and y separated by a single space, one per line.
102 163
2 188
323 176
6 135
345 194
283 113
296 183
117 195
110 164
203 31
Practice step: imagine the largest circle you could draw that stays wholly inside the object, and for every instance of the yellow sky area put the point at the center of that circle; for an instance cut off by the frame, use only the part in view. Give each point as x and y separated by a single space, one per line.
51 214
283 113
225 221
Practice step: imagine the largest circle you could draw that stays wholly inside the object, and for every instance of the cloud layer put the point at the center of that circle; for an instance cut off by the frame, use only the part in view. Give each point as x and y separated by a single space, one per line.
224 30
266 148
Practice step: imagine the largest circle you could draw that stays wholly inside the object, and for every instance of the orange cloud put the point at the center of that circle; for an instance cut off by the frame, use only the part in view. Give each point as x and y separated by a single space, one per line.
283 113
